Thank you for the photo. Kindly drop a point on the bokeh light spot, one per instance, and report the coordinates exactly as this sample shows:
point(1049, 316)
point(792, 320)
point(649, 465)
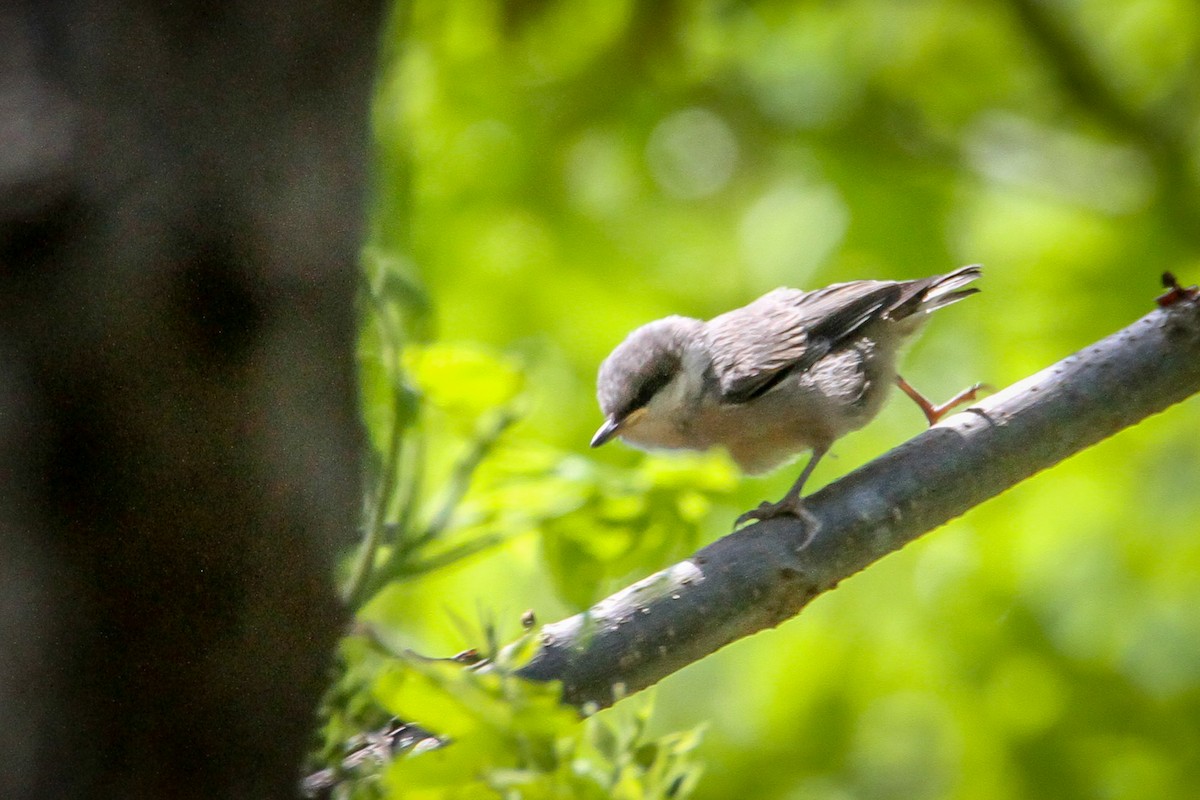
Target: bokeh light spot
point(692, 153)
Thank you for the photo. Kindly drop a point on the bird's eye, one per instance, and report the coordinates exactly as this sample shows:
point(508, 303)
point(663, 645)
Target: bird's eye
point(646, 389)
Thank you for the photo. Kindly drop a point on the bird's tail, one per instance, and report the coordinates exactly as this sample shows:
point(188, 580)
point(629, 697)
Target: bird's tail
point(946, 289)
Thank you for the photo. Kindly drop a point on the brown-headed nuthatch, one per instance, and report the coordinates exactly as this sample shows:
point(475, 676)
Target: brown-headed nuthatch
point(791, 371)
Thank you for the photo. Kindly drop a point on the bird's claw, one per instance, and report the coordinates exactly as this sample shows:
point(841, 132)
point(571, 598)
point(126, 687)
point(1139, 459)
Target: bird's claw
point(766, 511)
point(789, 506)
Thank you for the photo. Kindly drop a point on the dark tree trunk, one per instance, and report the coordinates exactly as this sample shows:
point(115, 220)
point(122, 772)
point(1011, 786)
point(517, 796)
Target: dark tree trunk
point(180, 212)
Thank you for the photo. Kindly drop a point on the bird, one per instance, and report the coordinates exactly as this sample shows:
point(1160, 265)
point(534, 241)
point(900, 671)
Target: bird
point(791, 371)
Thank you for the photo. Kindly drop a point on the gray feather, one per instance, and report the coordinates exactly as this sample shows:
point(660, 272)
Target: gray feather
point(788, 330)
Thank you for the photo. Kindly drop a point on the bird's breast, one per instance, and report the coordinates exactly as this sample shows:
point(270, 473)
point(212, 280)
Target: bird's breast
point(763, 434)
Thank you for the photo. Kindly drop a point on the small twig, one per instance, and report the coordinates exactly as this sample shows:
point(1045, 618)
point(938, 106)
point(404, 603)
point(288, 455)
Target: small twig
point(390, 476)
point(410, 491)
point(397, 563)
point(371, 750)
point(363, 565)
point(460, 478)
point(475, 545)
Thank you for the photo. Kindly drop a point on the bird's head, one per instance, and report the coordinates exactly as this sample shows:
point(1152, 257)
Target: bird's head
point(637, 371)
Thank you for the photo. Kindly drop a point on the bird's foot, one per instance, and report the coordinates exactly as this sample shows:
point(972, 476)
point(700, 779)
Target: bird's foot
point(787, 507)
point(790, 507)
point(968, 395)
point(934, 413)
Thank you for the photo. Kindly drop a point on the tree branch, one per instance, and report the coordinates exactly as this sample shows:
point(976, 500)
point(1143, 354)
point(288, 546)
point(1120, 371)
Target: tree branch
point(767, 573)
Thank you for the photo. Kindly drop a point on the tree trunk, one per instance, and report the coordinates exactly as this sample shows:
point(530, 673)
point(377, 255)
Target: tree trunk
point(180, 213)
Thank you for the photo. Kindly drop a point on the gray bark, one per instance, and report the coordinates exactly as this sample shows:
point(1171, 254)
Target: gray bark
point(768, 572)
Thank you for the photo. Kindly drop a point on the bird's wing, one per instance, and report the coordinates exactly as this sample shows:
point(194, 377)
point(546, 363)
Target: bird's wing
point(758, 345)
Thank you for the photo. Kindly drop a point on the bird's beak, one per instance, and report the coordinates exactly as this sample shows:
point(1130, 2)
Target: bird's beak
point(607, 431)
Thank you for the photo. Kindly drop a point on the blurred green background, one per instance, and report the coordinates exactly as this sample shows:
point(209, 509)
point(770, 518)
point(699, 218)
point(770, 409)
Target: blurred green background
point(552, 174)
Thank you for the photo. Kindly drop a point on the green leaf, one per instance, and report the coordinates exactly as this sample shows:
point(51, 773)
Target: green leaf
point(462, 380)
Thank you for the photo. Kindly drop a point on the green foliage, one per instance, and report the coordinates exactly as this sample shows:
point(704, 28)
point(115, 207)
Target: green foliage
point(511, 738)
point(497, 735)
point(599, 525)
point(558, 172)
point(446, 483)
